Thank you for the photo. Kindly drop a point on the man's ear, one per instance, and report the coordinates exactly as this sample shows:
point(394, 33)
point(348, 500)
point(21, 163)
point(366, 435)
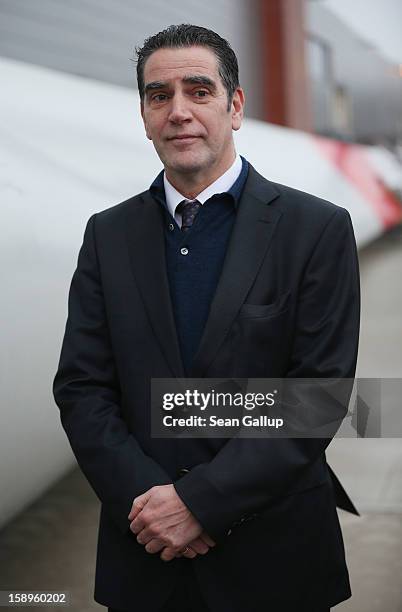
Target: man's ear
point(237, 108)
point(144, 120)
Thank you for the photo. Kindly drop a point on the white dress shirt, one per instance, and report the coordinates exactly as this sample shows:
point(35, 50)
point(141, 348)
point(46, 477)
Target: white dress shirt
point(222, 184)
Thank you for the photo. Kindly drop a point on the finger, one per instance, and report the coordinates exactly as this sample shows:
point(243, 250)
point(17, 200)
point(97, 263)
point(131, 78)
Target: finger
point(190, 553)
point(139, 524)
point(138, 504)
point(134, 512)
point(168, 554)
point(143, 537)
point(154, 546)
point(199, 546)
point(205, 537)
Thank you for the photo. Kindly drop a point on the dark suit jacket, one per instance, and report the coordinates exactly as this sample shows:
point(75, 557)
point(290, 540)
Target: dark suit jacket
point(270, 504)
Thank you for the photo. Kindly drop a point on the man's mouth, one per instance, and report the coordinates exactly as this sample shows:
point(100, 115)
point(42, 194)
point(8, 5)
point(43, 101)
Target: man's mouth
point(184, 137)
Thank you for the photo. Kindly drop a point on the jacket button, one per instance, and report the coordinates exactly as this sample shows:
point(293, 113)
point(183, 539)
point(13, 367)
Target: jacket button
point(183, 471)
point(229, 532)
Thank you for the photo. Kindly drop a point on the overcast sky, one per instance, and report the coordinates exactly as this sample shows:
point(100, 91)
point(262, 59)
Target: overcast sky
point(378, 21)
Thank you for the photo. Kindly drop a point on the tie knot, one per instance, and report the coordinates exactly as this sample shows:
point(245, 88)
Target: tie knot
point(188, 210)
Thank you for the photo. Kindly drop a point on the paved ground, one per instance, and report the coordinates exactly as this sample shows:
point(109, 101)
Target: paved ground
point(372, 469)
point(52, 546)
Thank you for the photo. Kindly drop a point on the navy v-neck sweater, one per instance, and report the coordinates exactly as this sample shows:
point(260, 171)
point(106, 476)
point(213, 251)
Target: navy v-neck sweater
point(194, 260)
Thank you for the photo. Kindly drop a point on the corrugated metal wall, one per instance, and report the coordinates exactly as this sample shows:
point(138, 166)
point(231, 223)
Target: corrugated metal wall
point(96, 38)
point(371, 83)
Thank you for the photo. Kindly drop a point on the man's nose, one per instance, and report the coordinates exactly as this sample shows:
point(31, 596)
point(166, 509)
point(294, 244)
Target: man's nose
point(179, 109)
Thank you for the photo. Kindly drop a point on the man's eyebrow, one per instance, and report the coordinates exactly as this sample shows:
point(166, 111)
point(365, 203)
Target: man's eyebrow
point(155, 85)
point(198, 79)
point(191, 79)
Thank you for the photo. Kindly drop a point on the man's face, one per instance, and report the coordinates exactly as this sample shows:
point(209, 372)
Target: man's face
point(185, 111)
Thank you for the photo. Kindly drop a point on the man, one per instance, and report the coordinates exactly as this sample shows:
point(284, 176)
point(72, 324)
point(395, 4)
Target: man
point(212, 272)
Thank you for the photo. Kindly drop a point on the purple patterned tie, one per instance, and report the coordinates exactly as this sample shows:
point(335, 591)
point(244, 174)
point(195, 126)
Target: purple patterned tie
point(188, 210)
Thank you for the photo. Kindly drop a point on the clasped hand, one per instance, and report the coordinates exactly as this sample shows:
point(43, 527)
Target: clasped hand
point(162, 522)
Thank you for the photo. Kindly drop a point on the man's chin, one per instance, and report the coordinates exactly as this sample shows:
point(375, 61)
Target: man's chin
point(186, 168)
point(189, 165)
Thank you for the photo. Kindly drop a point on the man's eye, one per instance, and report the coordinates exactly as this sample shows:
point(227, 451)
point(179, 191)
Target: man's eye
point(201, 93)
point(159, 97)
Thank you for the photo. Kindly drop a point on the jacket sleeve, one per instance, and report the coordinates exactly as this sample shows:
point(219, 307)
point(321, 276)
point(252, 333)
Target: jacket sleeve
point(86, 390)
point(246, 474)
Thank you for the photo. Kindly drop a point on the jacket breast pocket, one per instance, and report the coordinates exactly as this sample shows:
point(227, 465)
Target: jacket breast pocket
point(265, 310)
point(261, 339)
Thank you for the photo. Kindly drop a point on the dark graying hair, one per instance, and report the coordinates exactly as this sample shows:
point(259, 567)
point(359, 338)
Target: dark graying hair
point(187, 35)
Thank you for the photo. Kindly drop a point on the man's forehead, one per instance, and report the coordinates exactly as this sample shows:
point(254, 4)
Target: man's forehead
point(170, 63)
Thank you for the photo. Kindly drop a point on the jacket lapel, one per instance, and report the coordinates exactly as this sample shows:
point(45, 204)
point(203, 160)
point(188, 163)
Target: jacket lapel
point(146, 245)
point(251, 236)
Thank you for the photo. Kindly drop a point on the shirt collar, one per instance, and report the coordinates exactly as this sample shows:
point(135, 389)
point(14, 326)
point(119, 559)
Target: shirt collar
point(157, 189)
point(221, 185)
